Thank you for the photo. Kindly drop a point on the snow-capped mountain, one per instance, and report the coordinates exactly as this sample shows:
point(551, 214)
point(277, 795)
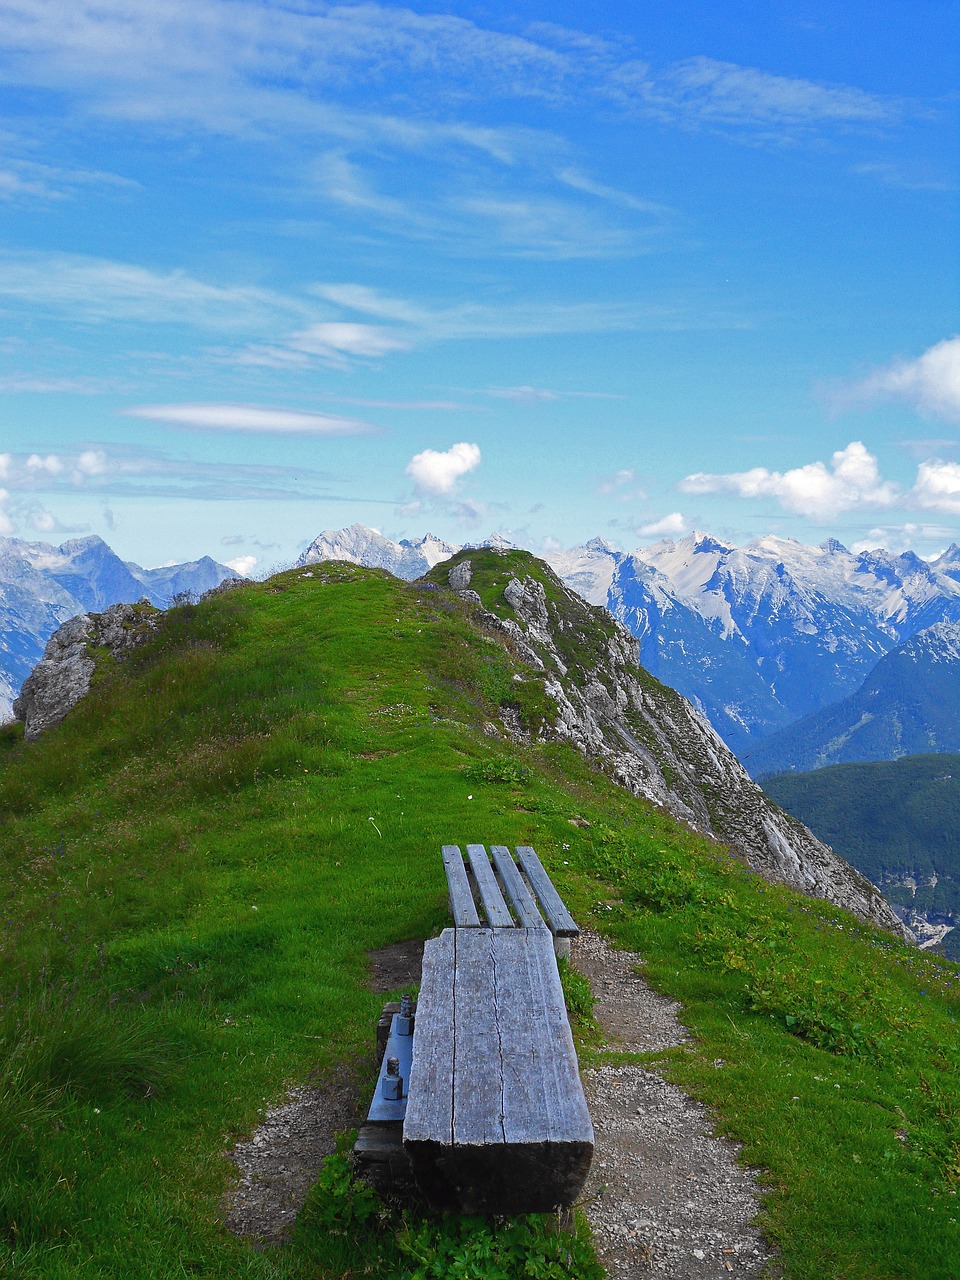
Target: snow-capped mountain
point(908, 705)
point(360, 545)
point(758, 636)
point(42, 585)
point(755, 636)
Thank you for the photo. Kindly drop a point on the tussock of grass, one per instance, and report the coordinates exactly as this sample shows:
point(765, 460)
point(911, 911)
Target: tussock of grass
point(245, 807)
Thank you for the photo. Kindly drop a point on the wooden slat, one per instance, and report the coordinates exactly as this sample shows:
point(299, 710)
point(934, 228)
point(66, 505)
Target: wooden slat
point(497, 911)
point(430, 1103)
point(559, 919)
point(521, 899)
point(543, 1097)
point(462, 906)
point(477, 1063)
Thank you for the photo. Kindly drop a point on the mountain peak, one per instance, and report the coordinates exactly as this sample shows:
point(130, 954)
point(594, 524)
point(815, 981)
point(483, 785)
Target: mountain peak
point(834, 547)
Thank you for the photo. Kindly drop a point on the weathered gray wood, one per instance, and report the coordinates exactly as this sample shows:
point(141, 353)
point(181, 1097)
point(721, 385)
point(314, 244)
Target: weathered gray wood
point(558, 918)
point(430, 1101)
point(462, 905)
point(478, 1052)
point(543, 1097)
point(521, 899)
point(520, 1139)
point(496, 910)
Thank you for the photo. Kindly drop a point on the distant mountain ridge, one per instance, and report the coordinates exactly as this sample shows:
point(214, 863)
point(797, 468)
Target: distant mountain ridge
point(756, 637)
point(42, 586)
point(908, 705)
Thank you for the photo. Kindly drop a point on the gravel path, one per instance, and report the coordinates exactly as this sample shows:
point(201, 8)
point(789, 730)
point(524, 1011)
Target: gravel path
point(664, 1197)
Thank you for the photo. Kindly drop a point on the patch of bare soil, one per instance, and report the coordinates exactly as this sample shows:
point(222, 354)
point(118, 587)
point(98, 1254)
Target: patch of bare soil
point(396, 967)
point(665, 1197)
point(280, 1161)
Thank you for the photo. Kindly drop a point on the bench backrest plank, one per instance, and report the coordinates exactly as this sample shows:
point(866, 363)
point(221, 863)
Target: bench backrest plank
point(462, 906)
point(497, 911)
point(521, 899)
point(559, 919)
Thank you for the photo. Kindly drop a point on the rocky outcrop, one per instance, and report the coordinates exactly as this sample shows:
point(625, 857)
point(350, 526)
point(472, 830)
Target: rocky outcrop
point(655, 744)
point(63, 675)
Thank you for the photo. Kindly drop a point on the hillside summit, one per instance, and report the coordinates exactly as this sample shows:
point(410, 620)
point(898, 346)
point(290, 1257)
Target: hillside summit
point(202, 862)
point(598, 698)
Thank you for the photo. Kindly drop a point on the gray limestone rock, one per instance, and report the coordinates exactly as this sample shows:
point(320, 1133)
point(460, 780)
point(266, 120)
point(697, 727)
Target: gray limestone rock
point(657, 745)
point(461, 575)
point(63, 675)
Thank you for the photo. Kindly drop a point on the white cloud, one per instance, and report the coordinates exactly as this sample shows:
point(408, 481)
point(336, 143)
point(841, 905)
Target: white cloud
point(852, 481)
point(335, 340)
point(582, 182)
point(43, 521)
point(52, 464)
point(616, 482)
point(937, 487)
point(248, 417)
point(931, 382)
point(436, 473)
point(710, 91)
point(525, 395)
point(97, 289)
point(242, 565)
point(6, 524)
point(668, 526)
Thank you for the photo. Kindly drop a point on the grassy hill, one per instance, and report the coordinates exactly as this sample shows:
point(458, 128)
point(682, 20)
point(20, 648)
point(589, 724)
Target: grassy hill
point(897, 821)
point(195, 863)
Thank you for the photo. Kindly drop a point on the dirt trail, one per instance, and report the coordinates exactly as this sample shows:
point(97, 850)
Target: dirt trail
point(664, 1197)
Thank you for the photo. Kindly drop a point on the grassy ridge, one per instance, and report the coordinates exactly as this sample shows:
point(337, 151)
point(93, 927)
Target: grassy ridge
point(201, 855)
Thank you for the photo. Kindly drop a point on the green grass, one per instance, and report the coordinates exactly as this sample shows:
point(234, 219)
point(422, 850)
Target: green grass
point(195, 864)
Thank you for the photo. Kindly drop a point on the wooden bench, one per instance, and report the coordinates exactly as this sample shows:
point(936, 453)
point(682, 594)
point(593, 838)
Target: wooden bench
point(484, 891)
point(492, 1119)
point(496, 1120)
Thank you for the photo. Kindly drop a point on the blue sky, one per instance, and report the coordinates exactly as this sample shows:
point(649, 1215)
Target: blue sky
point(559, 270)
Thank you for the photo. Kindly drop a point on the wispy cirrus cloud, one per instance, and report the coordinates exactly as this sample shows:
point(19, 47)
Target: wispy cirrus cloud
point(537, 395)
point(708, 91)
point(95, 290)
point(249, 418)
point(240, 65)
point(115, 470)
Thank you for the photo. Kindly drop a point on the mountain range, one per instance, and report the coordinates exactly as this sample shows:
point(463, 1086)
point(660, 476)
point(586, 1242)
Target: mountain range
point(757, 637)
point(42, 586)
point(908, 705)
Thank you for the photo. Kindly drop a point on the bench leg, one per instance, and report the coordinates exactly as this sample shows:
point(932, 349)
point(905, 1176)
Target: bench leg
point(561, 948)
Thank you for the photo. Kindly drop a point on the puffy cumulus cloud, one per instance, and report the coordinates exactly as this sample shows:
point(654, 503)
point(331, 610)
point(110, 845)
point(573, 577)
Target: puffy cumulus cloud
point(905, 537)
point(851, 481)
point(937, 487)
point(931, 383)
point(249, 417)
point(242, 565)
point(436, 474)
point(667, 526)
